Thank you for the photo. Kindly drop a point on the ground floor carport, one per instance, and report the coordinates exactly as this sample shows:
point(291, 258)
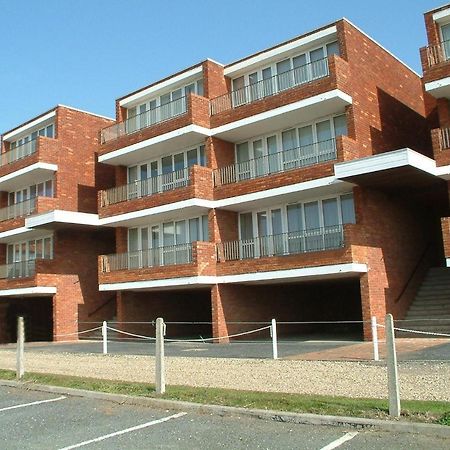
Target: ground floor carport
point(37, 312)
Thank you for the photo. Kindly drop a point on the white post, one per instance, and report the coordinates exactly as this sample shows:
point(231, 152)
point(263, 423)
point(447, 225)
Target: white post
point(376, 355)
point(273, 333)
point(391, 360)
point(160, 375)
point(105, 337)
point(20, 368)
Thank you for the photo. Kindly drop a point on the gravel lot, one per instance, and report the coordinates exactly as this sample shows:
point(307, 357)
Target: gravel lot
point(419, 380)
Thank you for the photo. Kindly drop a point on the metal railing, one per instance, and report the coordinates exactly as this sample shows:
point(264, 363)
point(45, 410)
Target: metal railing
point(295, 158)
point(146, 119)
point(21, 151)
point(144, 188)
point(291, 243)
point(153, 257)
point(24, 208)
point(270, 86)
point(445, 137)
point(20, 269)
point(438, 53)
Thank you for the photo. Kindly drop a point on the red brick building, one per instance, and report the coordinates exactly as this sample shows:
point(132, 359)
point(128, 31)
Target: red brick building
point(49, 238)
point(297, 183)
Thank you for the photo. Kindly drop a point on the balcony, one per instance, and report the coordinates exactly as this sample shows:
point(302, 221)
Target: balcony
point(282, 161)
point(140, 269)
point(29, 163)
point(440, 138)
point(171, 188)
point(175, 116)
point(298, 95)
point(436, 69)
point(21, 209)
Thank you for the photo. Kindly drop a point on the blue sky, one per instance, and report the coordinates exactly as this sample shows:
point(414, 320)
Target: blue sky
point(87, 53)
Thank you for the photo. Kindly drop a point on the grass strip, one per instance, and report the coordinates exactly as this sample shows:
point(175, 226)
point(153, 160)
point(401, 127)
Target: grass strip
point(412, 410)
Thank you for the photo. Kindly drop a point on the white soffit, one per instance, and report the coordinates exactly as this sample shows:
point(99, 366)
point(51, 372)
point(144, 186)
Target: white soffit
point(385, 161)
point(168, 142)
point(439, 88)
point(60, 216)
point(139, 97)
point(23, 129)
point(35, 173)
point(442, 16)
point(265, 57)
point(29, 291)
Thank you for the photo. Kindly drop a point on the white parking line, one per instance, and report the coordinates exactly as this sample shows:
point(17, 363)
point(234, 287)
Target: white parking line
point(338, 442)
point(23, 405)
point(128, 430)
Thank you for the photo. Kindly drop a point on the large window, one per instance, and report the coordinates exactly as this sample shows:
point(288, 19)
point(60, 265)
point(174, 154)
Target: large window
point(304, 145)
point(445, 32)
point(47, 131)
point(161, 108)
point(283, 74)
point(44, 189)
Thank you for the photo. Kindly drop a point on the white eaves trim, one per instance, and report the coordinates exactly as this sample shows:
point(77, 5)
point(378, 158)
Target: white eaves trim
point(261, 57)
point(86, 112)
point(433, 85)
point(316, 99)
point(385, 161)
point(14, 232)
point(155, 140)
point(160, 86)
point(61, 216)
point(441, 15)
point(28, 126)
point(28, 169)
point(38, 290)
point(304, 272)
point(193, 202)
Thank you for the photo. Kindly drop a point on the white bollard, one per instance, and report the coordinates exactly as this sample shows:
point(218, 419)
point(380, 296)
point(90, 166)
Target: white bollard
point(376, 354)
point(160, 375)
point(105, 337)
point(273, 333)
point(391, 360)
point(20, 366)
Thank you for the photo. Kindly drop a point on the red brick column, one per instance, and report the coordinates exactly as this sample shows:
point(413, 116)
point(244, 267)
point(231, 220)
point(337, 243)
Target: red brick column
point(219, 326)
point(65, 308)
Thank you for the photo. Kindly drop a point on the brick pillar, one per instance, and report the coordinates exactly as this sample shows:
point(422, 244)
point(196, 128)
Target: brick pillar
point(65, 308)
point(219, 326)
point(4, 337)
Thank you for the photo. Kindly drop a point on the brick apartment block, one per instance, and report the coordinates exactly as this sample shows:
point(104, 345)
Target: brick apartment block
point(306, 182)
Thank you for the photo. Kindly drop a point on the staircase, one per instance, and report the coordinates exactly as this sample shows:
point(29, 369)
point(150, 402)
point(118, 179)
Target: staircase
point(432, 302)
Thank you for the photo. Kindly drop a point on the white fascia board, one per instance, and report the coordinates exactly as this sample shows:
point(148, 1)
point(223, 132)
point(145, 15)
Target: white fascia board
point(61, 216)
point(194, 202)
point(30, 291)
point(437, 84)
point(304, 272)
point(154, 140)
point(14, 232)
point(152, 284)
point(335, 93)
point(28, 126)
point(443, 172)
point(283, 190)
point(447, 262)
point(135, 98)
point(441, 16)
point(385, 161)
point(232, 69)
point(28, 169)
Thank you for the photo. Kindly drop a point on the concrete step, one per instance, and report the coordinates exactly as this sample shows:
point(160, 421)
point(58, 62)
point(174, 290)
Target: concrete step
point(434, 288)
point(430, 303)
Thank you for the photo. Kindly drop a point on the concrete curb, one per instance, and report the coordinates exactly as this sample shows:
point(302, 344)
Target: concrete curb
point(279, 416)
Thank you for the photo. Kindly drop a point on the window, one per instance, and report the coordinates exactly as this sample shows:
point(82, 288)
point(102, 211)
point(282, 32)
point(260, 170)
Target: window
point(27, 144)
point(445, 31)
point(44, 189)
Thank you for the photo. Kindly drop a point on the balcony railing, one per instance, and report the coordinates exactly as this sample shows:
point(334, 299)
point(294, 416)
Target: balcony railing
point(154, 257)
point(295, 158)
point(144, 188)
point(20, 269)
point(438, 53)
point(19, 152)
point(445, 138)
point(21, 209)
point(144, 120)
point(270, 86)
point(291, 243)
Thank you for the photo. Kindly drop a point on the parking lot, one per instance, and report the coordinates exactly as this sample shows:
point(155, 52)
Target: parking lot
point(39, 420)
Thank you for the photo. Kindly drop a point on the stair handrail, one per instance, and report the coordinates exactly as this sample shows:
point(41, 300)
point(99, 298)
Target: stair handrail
point(413, 272)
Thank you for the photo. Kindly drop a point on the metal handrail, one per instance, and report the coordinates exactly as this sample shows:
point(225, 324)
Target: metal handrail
point(290, 243)
point(152, 257)
point(437, 53)
point(19, 269)
point(146, 119)
point(144, 188)
point(270, 86)
point(20, 209)
point(445, 137)
point(21, 151)
point(306, 155)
